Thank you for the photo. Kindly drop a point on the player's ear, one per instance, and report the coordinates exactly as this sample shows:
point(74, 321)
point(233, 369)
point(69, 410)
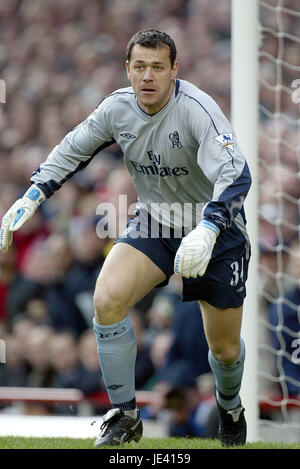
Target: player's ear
point(128, 69)
point(175, 70)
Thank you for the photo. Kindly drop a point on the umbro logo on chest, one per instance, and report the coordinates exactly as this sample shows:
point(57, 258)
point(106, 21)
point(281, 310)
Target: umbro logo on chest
point(128, 135)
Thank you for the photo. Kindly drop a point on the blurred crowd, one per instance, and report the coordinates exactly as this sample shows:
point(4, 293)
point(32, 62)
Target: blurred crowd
point(58, 60)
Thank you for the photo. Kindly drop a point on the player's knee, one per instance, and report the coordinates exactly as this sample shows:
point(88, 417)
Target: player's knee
point(108, 307)
point(226, 352)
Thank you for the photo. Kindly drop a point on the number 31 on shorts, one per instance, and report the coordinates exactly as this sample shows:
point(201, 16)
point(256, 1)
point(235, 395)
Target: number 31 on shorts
point(237, 272)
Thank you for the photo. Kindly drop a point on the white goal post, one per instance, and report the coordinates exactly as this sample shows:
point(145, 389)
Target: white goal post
point(244, 118)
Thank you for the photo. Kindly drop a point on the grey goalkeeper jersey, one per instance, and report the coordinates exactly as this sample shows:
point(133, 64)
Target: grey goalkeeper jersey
point(184, 160)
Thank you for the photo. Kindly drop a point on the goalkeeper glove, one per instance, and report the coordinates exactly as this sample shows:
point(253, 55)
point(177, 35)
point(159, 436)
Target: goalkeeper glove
point(195, 250)
point(18, 214)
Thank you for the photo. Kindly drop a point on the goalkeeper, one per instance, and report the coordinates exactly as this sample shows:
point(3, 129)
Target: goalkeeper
point(182, 154)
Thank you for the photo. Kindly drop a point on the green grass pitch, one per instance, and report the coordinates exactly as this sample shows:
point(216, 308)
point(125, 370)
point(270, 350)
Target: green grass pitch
point(12, 442)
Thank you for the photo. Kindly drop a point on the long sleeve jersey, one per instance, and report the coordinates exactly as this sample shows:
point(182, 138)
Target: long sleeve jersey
point(185, 156)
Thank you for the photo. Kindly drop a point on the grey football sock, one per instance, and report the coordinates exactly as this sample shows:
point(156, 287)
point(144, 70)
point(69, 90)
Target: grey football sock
point(116, 345)
point(228, 379)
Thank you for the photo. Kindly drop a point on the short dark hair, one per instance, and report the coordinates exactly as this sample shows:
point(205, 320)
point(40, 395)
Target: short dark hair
point(152, 39)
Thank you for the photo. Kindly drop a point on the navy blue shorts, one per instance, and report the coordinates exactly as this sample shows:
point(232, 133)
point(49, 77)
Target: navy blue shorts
point(222, 285)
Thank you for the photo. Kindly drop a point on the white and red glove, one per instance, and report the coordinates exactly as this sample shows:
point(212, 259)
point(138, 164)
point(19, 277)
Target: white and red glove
point(195, 250)
point(18, 214)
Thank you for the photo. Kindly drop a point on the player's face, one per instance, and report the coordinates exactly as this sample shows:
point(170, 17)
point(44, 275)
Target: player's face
point(151, 76)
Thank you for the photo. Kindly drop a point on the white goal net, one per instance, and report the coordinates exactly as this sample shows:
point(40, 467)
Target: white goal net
point(279, 222)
